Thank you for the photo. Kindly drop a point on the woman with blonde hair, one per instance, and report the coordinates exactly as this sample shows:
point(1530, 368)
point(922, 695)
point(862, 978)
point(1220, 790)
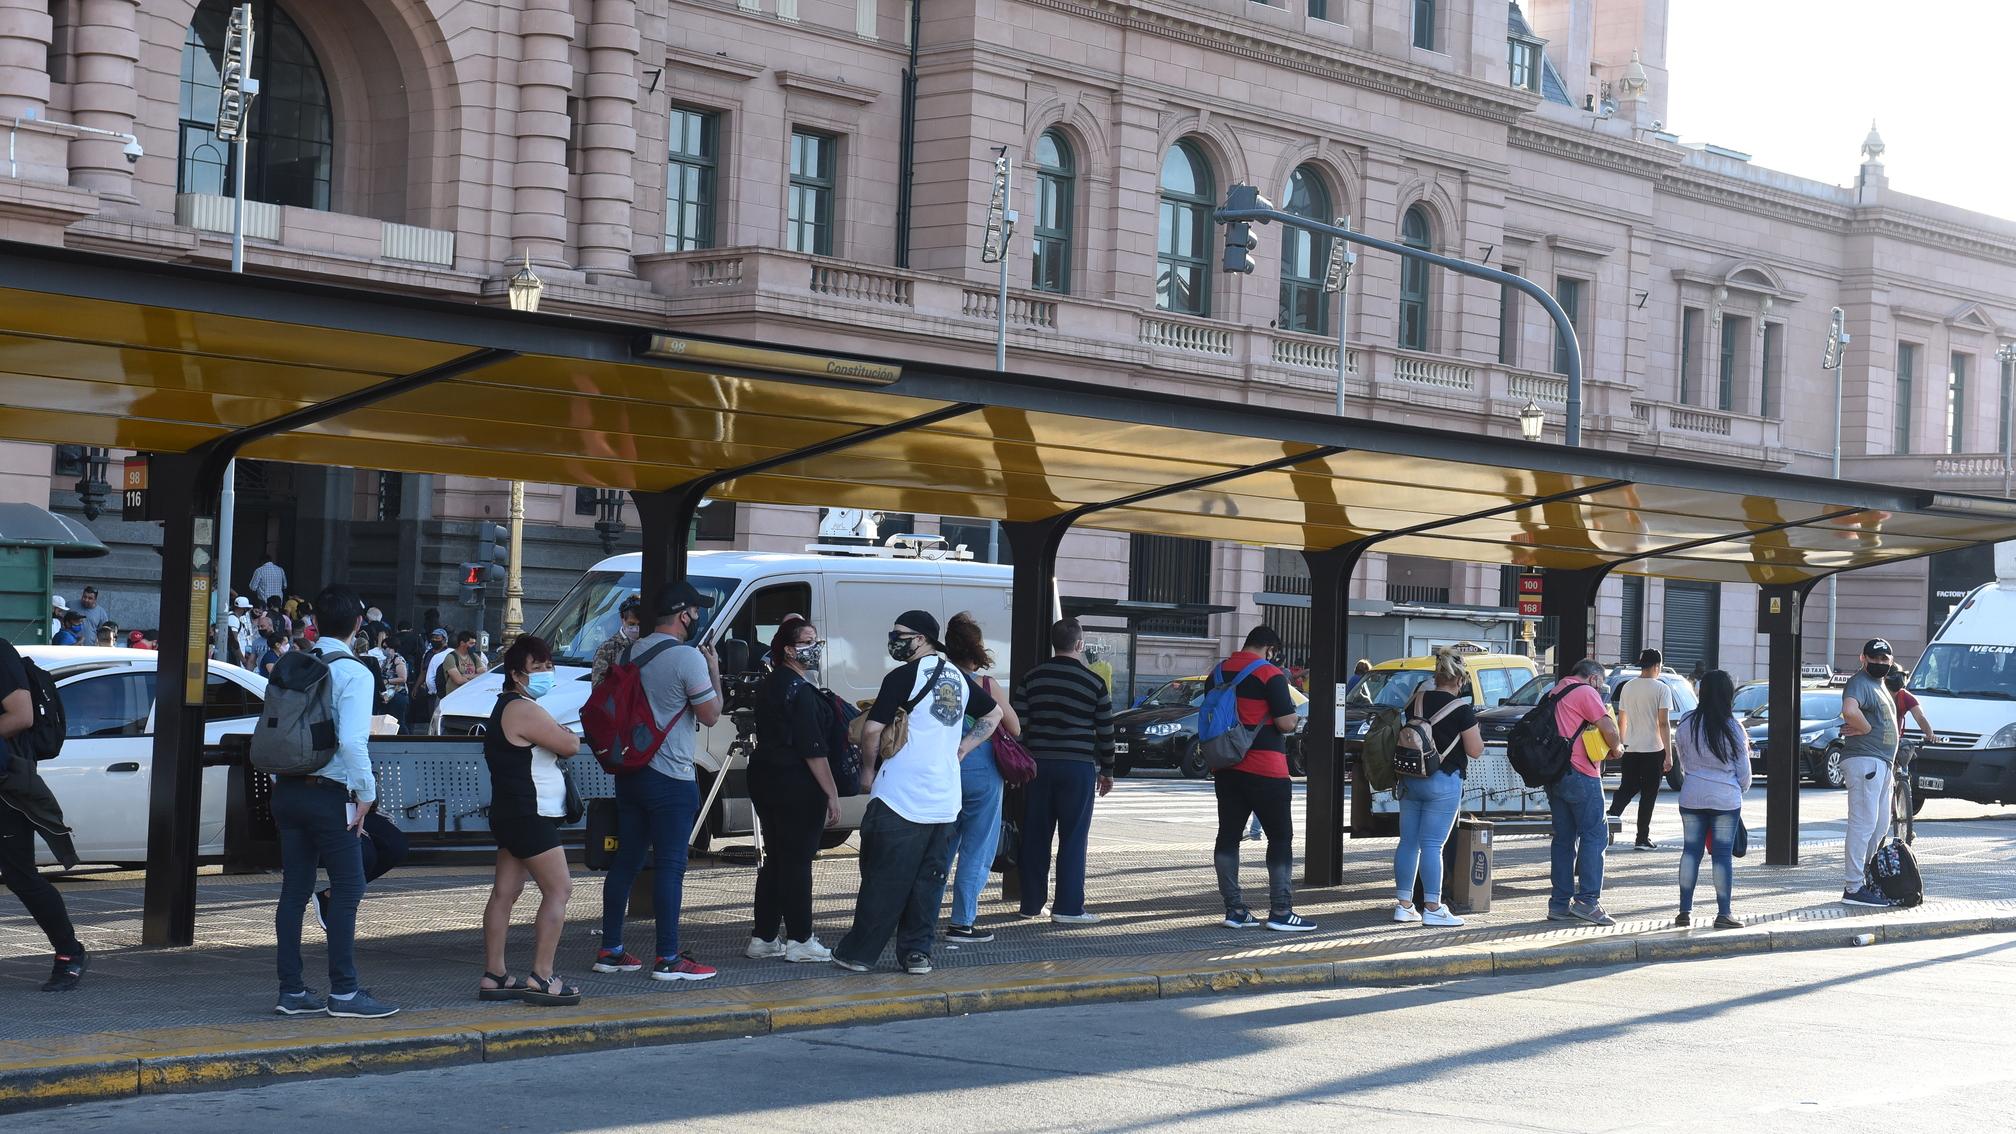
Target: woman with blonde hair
point(976, 834)
point(1428, 804)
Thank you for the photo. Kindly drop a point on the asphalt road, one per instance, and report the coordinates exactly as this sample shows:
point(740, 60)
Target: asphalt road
point(1885, 1039)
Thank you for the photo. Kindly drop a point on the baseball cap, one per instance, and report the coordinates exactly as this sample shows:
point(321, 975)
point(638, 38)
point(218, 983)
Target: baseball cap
point(56, 603)
point(921, 622)
point(243, 603)
point(437, 632)
point(1875, 646)
point(677, 596)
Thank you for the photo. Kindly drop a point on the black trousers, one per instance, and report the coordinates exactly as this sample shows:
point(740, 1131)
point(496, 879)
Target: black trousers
point(18, 873)
point(792, 808)
point(1643, 772)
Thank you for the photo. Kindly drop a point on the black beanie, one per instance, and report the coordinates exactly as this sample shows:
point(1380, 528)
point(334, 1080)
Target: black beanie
point(920, 622)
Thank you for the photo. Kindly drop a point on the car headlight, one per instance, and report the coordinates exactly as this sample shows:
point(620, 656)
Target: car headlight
point(1166, 728)
point(2005, 737)
point(1812, 733)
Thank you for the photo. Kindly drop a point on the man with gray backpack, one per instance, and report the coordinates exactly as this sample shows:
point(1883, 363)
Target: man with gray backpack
point(1243, 722)
point(313, 738)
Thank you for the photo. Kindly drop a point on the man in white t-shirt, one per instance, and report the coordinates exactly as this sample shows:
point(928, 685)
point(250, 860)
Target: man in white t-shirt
point(1644, 717)
point(906, 833)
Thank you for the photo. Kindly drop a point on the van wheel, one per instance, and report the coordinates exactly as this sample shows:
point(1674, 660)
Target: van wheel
point(1192, 764)
point(1830, 769)
point(1917, 803)
point(830, 839)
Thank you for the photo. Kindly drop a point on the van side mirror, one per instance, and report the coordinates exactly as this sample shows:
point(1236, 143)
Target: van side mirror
point(734, 655)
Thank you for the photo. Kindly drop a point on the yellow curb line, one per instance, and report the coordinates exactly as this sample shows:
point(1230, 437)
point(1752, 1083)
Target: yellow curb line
point(43, 1083)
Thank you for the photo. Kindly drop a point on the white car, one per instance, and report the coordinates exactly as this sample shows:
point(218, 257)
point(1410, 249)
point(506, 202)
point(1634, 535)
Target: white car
point(102, 777)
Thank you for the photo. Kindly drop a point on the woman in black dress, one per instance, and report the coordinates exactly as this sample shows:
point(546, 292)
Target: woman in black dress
point(791, 784)
point(528, 799)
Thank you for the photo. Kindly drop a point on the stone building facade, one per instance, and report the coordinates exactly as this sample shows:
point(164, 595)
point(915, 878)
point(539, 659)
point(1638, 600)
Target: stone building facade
point(736, 167)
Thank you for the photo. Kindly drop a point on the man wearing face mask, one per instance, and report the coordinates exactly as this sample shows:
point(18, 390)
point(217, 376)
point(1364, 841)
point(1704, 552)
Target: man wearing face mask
point(626, 633)
point(656, 806)
point(1868, 754)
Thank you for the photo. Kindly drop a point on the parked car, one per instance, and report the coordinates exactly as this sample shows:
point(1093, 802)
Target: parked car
point(1496, 723)
point(103, 775)
point(1161, 731)
point(1493, 678)
point(1819, 737)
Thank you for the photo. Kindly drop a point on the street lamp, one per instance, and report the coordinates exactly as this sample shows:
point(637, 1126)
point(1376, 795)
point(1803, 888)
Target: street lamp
point(1532, 420)
point(609, 518)
point(994, 245)
point(1337, 280)
point(2006, 355)
point(92, 488)
point(526, 287)
point(1838, 340)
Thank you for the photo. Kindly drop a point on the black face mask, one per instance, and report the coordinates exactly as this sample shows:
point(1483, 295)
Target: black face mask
point(902, 647)
point(1877, 669)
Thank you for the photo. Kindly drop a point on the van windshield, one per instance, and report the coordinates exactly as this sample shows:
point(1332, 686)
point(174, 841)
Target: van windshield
point(589, 614)
point(1950, 670)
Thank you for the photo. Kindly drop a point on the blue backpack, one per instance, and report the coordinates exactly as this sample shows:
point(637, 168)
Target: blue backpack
point(1220, 735)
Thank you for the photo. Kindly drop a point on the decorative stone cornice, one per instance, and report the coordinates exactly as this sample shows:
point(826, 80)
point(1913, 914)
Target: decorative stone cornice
point(1590, 148)
point(1362, 69)
point(829, 88)
point(1578, 247)
point(1922, 230)
point(720, 64)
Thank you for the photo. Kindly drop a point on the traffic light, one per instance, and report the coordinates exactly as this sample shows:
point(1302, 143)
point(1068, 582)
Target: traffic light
point(494, 541)
point(1239, 239)
point(472, 583)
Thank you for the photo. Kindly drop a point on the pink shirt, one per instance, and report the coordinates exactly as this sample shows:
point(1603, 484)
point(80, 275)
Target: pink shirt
point(1581, 707)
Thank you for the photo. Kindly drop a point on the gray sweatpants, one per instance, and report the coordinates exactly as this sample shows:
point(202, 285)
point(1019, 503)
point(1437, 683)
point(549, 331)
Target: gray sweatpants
point(1868, 783)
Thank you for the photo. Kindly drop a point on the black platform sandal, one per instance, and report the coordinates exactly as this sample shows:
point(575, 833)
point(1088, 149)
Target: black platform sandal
point(507, 988)
point(549, 993)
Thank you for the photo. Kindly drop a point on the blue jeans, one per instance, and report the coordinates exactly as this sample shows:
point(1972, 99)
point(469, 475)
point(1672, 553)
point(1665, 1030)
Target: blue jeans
point(1697, 822)
point(976, 834)
point(902, 882)
point(315, 831)
point(653, 812)
point(1059, 804)
point(1427, 815)
point(1581, 831)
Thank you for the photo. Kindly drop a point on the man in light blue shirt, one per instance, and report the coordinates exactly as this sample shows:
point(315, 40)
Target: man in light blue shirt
point(321, 819)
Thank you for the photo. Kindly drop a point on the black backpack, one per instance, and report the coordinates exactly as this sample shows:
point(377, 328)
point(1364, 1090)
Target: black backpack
point(1538, 751)
point(43, 739)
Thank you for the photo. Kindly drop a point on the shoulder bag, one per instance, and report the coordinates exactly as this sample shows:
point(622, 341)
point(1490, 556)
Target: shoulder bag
point(1012, 758)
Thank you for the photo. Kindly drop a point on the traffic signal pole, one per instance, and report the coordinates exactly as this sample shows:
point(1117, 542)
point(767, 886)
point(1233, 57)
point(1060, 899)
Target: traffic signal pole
point(1244, 204)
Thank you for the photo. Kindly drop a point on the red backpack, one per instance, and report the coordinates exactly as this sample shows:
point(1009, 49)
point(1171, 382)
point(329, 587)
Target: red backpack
point(617, 720)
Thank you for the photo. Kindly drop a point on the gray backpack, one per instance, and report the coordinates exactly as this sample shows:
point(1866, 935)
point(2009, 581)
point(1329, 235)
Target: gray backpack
point(296, 734)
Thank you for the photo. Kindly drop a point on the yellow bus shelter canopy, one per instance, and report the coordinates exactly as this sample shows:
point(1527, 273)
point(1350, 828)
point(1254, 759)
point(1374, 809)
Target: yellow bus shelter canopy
point(102, 351)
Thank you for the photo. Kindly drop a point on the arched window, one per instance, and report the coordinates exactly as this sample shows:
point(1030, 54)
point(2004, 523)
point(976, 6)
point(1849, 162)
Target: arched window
point(292, 135)
point(1055, 177)
point(1414, 280)
point(1183, 233)
point(1305, 256)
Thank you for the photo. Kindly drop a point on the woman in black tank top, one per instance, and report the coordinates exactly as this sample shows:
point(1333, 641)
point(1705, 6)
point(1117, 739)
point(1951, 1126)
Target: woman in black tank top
point(522, 745)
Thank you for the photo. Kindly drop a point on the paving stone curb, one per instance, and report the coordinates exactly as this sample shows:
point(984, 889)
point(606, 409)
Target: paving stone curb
point(37, 1084)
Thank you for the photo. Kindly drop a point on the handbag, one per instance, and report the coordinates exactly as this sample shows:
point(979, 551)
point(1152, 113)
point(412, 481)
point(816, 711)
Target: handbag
point(1012, 758)
point(897, 732)
point(1740, 846)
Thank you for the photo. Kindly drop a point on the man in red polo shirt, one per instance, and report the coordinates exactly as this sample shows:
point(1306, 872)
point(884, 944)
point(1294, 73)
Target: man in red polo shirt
point(1259, 785)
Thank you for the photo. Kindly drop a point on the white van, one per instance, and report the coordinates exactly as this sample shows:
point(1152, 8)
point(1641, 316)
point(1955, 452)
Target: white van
point(853, 600)
point(1966, 683)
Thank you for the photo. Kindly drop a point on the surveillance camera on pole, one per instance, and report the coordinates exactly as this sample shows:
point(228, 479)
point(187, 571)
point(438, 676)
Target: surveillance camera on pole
point(1239, 239)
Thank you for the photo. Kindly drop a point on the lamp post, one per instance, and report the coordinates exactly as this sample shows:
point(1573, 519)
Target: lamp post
point(236, 89)
point(994, 246)
point(2006, 355)
point(1838, 339)
point(524, 291)
point(1337, 278)
point(1532, 421)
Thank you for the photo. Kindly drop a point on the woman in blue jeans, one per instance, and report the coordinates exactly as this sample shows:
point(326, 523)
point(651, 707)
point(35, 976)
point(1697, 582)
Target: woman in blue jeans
point(977, 832)
point(1428, 804)
point(1714, 753)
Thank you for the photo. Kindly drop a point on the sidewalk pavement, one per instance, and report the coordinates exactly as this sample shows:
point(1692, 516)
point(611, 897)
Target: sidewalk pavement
point(154, 1020)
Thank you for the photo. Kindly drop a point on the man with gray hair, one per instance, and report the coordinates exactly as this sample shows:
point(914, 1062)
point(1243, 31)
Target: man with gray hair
point(1581, 829)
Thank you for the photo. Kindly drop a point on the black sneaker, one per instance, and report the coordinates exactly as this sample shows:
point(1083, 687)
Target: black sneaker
point(66, 974)
point(1682, 920)
point(970, 933)
point(1644, 844)
point(917, 964)
point(1289, 923)
point(1239, 917)
point(1724, 921)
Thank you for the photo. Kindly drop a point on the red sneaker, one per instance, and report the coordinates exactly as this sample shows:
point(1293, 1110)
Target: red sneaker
point(681, 967)
point(616, 961)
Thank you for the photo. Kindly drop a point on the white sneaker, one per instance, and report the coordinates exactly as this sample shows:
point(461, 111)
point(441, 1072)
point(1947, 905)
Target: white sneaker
point(761, 950)
point(1086, 918)
point(1405, 915)
point(1440, 917)
point(808, 951)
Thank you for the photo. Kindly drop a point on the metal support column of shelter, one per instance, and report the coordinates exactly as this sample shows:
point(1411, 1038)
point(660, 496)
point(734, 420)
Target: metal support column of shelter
point(1322, 752)
point(1571, 597)
point(666, 518)
point(1780, 614)
point(189, 485)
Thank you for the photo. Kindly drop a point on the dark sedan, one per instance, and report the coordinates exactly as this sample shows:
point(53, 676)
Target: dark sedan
point(1161, 731)
point(1819, 737)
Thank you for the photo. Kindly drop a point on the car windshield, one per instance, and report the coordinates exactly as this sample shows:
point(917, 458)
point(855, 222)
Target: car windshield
point(1819, 706)
point(588, 616)
point(1531, 692)
point(1951, 670)
point(1392, 687)
point(1751, 699)
point(1182, 691)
